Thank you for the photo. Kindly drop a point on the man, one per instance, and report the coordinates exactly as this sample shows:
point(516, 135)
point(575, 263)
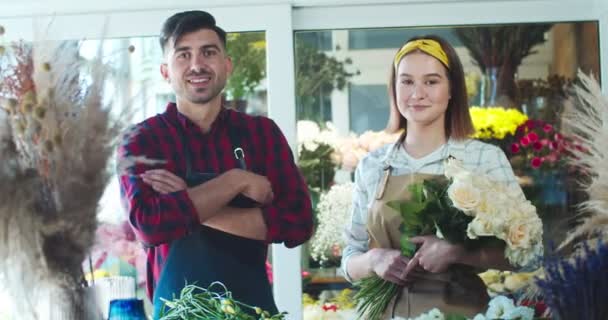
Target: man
point(227, 185)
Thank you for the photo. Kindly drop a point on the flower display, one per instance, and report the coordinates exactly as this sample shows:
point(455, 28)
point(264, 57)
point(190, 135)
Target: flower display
point(119, 240)
point(333, 213)
point(499, 308)
point(495, 122)
point(505, 282)
point(340, 307)
point(352, 149)
point(317, 155)
point(539, 145)
point(468, 208)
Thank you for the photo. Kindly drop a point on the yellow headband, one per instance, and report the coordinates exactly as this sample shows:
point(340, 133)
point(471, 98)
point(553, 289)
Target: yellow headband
point(428, 46)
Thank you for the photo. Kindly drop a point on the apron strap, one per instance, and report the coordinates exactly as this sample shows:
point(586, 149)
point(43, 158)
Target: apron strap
point(388, 169)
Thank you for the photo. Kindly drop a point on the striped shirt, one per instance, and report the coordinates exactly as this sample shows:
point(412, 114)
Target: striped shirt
point(474, 155)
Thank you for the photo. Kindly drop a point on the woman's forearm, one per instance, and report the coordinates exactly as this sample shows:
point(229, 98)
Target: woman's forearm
point(360, 266)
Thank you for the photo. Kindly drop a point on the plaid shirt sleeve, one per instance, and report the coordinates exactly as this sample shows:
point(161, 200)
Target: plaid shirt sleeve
point(289, 217)
point(155, 218)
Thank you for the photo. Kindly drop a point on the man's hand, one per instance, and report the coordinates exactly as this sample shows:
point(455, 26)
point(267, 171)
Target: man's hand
point(256, 187)
point(163, 181)
point(434, 255)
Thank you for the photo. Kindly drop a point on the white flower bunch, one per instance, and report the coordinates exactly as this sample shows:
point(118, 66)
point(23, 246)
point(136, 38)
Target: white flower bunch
point(497, 210)
point(433, 314)
point(316, 312)
point(503, 308)
point(310, 135)
point(499, 308)
point(334, 210)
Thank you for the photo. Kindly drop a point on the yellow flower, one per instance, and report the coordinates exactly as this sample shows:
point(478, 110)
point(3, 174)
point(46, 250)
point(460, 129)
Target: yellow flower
point(490, 276)
point(517, 281)
point(495, 122)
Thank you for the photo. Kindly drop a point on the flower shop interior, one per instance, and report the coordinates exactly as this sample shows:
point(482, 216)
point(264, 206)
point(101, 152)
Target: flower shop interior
point(319, 68)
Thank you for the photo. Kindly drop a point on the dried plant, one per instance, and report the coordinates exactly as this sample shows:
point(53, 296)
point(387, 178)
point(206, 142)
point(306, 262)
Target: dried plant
point(56, 136)
point(586, 120)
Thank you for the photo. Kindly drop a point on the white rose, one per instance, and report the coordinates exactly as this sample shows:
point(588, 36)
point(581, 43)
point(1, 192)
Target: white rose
point(518, 235)
point(479, 227)
point(464, 197)
point(453, 168)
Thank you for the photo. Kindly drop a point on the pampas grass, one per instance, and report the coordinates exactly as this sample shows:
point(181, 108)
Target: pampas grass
point(586, 120)
point(56, 136)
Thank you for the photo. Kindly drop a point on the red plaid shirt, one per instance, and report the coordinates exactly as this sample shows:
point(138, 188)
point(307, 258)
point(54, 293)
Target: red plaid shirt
point(158, 219)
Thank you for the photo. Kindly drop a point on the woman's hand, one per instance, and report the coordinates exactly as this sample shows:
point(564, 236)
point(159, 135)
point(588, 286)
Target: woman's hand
point(434, 255)
point(163, 181)
point(390, 264)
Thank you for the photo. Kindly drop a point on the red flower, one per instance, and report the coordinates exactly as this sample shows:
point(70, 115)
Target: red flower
point(524, 141)
point(515, 148)
point(530, 124)
point(533, 136)
point(539, 307)
point(537, 146)
point(536, 162)
point(330, 306)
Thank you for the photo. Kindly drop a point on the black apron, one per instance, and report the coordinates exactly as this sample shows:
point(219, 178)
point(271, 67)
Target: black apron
point(206, 255)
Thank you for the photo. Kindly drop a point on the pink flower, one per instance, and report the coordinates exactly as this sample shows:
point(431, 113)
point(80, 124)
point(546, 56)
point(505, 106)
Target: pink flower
point(537, 146)
point(533, 136)
point(547, 128)
point(525, 141)
point(553, 145)
point(269, 271)
point(536, 162)
point(514, 148)
point(558, 136)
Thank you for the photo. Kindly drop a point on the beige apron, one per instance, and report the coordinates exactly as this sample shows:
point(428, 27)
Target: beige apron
point(457, 291)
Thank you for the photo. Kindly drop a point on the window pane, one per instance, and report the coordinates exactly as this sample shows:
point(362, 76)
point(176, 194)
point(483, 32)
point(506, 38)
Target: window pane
point(344, 83)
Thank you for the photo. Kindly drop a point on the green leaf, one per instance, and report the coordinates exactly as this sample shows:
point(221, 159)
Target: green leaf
point(407, 248)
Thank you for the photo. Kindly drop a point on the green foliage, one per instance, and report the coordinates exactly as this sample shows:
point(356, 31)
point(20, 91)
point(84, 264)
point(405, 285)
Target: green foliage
point(248, 52)
point(317, 75)
point(317, 167)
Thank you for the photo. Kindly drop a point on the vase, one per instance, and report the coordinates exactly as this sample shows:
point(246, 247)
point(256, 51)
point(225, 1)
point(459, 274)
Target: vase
point(127, 309)
point(488, 87)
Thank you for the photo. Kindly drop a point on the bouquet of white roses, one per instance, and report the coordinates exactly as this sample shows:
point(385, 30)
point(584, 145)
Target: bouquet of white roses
point(467, 208)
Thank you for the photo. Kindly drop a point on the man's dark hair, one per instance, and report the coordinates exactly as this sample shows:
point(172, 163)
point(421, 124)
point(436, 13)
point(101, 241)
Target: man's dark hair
point(188, 21)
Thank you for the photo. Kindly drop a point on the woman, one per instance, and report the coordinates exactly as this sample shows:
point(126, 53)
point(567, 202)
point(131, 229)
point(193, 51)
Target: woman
point(428, 100)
